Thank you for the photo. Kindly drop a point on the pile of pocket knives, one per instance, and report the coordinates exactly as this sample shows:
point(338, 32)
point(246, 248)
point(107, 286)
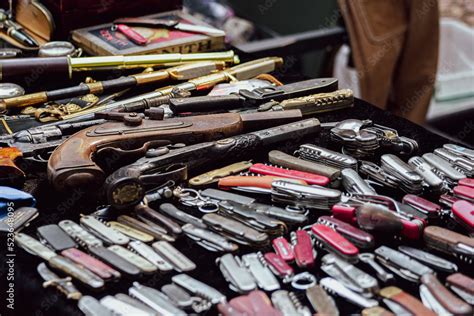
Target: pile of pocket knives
point(289, 241)
point(369, 223)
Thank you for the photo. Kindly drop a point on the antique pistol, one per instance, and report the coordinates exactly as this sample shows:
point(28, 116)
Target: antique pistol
point(33, 143)
point(126, 186)
point(73, 163)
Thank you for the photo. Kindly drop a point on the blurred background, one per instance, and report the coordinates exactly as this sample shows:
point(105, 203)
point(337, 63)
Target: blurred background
point(313, 38)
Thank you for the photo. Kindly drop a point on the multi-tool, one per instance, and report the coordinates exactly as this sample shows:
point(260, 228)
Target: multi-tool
point(253, 183)
point(377, 217)
point(235, 230)
point(103, 231)
point(64, 285)
point(208, 239)
point(402, 265)
point(248, 216)
point(462, 285)
point(326, 156)
point(356, 140)
point(147, 215)
point(284, 160)
point(19, 219)
point(289, 304)
point(279, 266)
point(464, 192)
point(449, 242)
point(173, 256)
point(144, 265)
point(303, 250)
point(427, 172)
point(98, 267)
point(303, 281)
point(309, 178)
point(443, 168)
point(283, 248)
point(288, 216)
point(467, 182)
point(216, 174)
point(369, 258)
point(122, 308)
point(377, 174)
point(58, 262)
point(462, 212)
point(312, 197)
point(254, 303)
point(429, 259)
point(334, 286)
point(181, 216)
point(353, 183)
point(349, 275)
point(361, 239)
point(439, 299)
point(402, 303)
point(321, 301)
point(460, 151)
point(410, 181)
point(122, 265)
point(92, 307)
point(422, 205)
point(154, 230)
point(447, 200)
point(461, 163)
point(54, 236)
point(154, 299)
point(131, 232)
point(198, 288)
point(184, 300)
point(79, 234)
point(258, 268)
point(236, 274)
point(331, 241)
point(149, 254)
point(136, 303)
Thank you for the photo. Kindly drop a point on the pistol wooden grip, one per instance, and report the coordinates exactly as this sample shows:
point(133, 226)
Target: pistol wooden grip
point(10, 174)
point(71, 166)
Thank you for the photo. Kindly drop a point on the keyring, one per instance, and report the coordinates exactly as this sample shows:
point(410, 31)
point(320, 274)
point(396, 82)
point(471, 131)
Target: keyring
point(303, 281)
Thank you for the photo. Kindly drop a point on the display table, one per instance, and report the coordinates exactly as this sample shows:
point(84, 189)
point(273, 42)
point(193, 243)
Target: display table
point(32, 299)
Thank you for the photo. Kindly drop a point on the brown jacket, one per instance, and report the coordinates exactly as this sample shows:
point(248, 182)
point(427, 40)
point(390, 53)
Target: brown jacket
point(395, 50)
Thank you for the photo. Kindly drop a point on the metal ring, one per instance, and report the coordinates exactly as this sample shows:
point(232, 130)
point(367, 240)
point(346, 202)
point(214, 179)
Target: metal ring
point(208, 207)
point(304, 276)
